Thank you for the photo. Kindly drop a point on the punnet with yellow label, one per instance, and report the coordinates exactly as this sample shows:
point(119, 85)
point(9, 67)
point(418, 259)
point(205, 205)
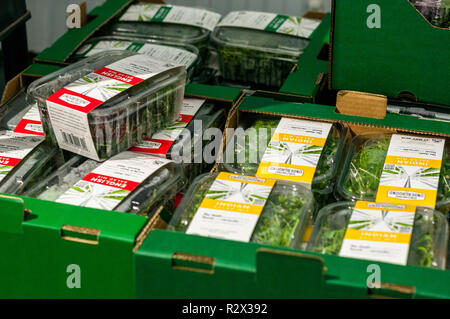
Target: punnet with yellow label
point(292, 150)
point(245, 208)
point(385, 232)
point(397, 168)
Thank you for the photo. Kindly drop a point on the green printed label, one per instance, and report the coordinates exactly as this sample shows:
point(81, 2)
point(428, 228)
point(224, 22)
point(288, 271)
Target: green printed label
point(276, 23)
point(161, 14)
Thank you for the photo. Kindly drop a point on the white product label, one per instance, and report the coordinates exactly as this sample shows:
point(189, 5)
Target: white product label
point(378, 232)
point(160, 142)
point(111, 182)
point(172, 14)
point(167, 53)
point(13, 148)
point(30, 123)
point(272, 22)
point(232, 207)
point(411, 171)
point(68, 108)
point(294, 151)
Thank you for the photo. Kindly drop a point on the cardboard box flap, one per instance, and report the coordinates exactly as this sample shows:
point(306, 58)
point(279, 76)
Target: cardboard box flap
point(222, 93)
point(175, 265)
point(375, 51)
point(66, 45)
point(64, 219)
point(327, 113)
point(307, 78)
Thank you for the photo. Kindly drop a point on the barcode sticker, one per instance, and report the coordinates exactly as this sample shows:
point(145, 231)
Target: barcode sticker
point(74, 140)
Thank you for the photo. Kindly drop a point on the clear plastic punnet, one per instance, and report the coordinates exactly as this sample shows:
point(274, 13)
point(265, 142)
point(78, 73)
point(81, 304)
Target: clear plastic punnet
point(178, 24)
point(245, 149)
point(24, 156)
point(13, 110)
point(67, 185)
point(183, 142)
point(25, 160)
point(260, 48)
point(286, 210)
point(106, 103)
point(419, 234)
point(365, 164)
point(176, 53)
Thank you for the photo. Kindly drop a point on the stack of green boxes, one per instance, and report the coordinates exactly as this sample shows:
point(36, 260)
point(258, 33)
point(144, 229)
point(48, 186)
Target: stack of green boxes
point(285, 232)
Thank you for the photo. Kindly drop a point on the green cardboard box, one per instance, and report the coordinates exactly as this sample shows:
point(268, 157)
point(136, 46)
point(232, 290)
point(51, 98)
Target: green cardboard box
point(387, 47)
point(52, 250)
point(177, 265)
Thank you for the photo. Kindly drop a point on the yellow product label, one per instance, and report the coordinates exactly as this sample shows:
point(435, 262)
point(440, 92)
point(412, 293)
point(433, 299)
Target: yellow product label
point(378, 236)
point(307, 234)
point(231, 206)
point(290, 172)
point(299, 139)
point(411, 161)
point(412, 196)
point(411, 171)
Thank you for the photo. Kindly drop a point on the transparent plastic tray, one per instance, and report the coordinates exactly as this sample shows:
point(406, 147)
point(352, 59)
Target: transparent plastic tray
point(13, 110)
point(35, 166)
point(363, 167)
point(106, 43)
point(173, 32)
point(127, 118)
point(327, 168)
point(437, 12)
point(256, 56)
point(282, 221)
point(158, 189)
point(428, 246)
point(211, 116)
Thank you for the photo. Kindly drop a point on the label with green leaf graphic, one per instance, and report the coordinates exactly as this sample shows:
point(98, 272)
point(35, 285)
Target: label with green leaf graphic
point(294, 151)
point(163, 52)
point(295, 26)
point(111, 182)
point(13, 149)
point(68, 108)
point(231, 207)
point(146, 12)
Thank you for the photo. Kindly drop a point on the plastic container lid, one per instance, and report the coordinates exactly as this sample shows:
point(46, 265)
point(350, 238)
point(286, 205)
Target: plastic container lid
point(177, 24)
point(161, 31)
point(158, 189)
point(280, 46)
point(429, 239)
point(35, 166)
point(123, 120)
point(184, 54)
point(13, 110)
point(327, 167)
point(363, 167)
point(281, 223)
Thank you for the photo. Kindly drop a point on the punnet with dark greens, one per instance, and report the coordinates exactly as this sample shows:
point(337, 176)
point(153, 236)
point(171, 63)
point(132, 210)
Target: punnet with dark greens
point(176, 53)
point(106, 103)
point(283, 209)
point(346, 229)
point(260, 48)
point(177, 24)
